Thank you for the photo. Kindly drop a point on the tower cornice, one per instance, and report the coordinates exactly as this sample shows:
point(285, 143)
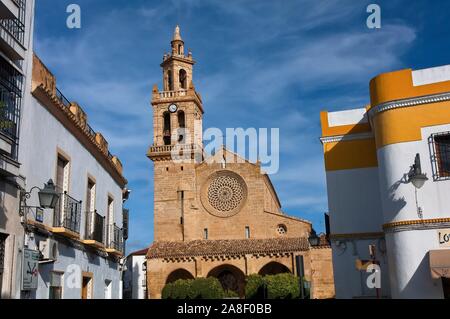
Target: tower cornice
point(179, 58)
point(167, 97)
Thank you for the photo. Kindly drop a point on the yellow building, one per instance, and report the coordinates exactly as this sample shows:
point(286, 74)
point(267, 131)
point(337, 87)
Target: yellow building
point(214, 217)
point(388, 168)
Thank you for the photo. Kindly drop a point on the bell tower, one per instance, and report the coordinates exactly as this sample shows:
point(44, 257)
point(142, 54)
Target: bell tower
point(177, 124)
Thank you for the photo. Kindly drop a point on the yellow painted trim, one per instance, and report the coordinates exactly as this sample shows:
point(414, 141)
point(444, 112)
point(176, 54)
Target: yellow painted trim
point(352, 154)
point(398, 85)
point(93, 243)
point(416, 222)
point(114, 252)
point(405, 124)
point(342, 129)
point(65, 232)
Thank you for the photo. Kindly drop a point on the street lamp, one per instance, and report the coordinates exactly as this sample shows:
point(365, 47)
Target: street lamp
point(313, 239)
point(415, 176)
point(48, 197)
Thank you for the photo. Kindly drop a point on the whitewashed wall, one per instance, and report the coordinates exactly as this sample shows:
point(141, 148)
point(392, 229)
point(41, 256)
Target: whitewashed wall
point(41, 136)
point(410, 271)
point(134, 276)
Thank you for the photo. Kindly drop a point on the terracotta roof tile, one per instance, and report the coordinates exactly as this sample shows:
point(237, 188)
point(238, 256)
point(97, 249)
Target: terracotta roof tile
point(174, 249)
point(139, 252)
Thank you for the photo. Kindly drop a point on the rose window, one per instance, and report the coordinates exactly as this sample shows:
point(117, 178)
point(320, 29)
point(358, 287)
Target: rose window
point(224, 193)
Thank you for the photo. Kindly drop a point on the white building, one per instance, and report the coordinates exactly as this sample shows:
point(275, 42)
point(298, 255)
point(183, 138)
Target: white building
point(16, 36)
point(135, 276)
point(376, 160)
point(81, 241)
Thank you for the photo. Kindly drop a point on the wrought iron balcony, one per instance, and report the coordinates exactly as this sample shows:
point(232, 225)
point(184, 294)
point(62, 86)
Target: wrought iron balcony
point(10, 100)
point(67, 216)
point(95, 229)
point(15, 28)
point(115, 240)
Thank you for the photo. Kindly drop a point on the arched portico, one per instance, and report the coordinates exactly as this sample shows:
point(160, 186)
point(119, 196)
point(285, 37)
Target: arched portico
point(273, 268)
point(230, 277)
point(178, 274)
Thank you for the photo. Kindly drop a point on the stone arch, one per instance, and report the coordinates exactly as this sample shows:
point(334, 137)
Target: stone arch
point(167, 129)
point(273, 268)
point(231, 278)
point(183, 78)
point(169, 80)
point(178, 274)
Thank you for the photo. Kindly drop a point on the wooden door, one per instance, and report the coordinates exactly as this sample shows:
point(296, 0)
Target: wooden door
point(86, 288)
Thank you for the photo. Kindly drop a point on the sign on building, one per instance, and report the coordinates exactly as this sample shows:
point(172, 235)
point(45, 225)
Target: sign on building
point(444, 237)
point(30, 269)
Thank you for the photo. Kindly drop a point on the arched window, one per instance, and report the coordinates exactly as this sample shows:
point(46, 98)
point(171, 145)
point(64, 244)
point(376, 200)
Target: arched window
point(169, 80)
point(183, 79)
point(181, 119)
point(167, 129)
point(182, 127)
point(180, 49)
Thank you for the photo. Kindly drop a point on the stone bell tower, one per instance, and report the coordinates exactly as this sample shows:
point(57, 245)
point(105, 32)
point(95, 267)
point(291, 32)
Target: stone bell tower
point(177, 123)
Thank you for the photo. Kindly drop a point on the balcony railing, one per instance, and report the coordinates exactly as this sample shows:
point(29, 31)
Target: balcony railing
point(95, 227)
point(67, 213)
point(169, 148)
point(115, 238)
point(11, 82)
point(62, 98)
point(171, 94)
point(15, 28)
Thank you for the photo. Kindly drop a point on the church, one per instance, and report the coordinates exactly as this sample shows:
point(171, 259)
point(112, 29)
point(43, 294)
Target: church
point(213, 217)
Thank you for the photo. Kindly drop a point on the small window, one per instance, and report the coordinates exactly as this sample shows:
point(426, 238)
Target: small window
point(442, 143)
point(281, 229)
point(205, 234)
point(247, 232)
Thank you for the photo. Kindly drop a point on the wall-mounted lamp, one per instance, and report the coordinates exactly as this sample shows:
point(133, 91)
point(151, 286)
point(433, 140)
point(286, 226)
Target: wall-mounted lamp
point(48, 197)
point(313, 239)
point(415, 176)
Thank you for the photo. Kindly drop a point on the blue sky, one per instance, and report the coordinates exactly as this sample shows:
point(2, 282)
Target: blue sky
point(260, 64)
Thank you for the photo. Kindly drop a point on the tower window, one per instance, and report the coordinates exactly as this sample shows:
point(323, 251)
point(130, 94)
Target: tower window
point(183, 79)
point(182, 126)
point(181, 119)
point(169, 80)
point(180, 49)
point(167, 129)
point(205, 234)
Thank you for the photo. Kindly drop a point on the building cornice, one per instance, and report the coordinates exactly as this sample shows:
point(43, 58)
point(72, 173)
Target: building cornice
point(417, 224)
point(80, 132)
point(342, 138)
point(409, 102)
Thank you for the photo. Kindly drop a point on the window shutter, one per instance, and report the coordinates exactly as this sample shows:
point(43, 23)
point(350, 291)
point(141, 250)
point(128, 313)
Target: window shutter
point(126, 214)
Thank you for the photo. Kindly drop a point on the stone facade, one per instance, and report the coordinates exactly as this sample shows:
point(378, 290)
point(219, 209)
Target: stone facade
point(220, 215)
